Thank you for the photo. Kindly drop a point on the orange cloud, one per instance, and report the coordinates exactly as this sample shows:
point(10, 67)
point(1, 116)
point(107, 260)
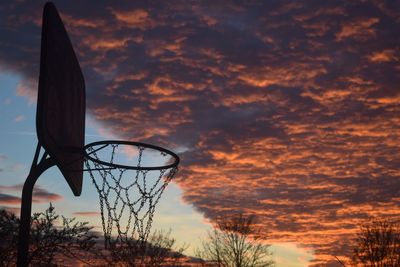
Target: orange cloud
point(40, 195)
point(358, 29)
point(383, 56)
point(294, 75)
point(138, 18)
point(106, 44)
point(86, 213)
point(6, 199)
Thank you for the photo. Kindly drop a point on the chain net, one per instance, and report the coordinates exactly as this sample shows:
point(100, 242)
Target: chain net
point(127, 197)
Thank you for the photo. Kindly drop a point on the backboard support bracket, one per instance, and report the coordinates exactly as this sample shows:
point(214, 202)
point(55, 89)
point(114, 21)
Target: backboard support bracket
point(37, 168)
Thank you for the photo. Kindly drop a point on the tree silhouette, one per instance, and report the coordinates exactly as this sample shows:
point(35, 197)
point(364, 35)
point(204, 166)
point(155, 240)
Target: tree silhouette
point(54, 244)
point(378, 244)
point(51, 245)
point(234, 242)
point(159, 250)
point(9, 224)
point(72, 239)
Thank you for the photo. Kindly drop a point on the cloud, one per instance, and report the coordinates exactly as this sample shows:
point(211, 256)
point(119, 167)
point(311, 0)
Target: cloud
point(6, 199)
point(383, 56)
point(19, 118)
point(27, 89)
point(137, 18)
point(40, 195)
point(362, 28)
point(43, 196)
point(289, 111)
point(86, 213)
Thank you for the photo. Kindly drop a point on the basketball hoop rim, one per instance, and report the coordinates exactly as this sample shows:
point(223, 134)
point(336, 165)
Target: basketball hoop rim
point(131, 143)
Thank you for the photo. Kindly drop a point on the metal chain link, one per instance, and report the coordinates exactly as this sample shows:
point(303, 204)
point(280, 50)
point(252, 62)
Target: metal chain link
point(118, 204)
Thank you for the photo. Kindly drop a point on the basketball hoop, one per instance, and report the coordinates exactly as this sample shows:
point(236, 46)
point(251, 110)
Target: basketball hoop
point(130, 178)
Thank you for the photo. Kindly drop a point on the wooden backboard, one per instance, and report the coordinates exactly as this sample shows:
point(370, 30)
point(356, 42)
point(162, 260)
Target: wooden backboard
point(60, 117)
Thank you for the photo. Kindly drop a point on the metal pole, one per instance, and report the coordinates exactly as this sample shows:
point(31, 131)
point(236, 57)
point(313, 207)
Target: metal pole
point(26, 205)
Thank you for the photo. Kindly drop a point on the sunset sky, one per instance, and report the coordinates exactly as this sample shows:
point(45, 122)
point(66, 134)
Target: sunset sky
point(287, 110)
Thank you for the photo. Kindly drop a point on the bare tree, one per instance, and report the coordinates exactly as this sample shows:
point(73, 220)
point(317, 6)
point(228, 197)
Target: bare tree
point(9, 224)
point(159, 250)
point(378, 245)
point(162, 250)
point(51, 245)
point(54, 244)
point(234, 242)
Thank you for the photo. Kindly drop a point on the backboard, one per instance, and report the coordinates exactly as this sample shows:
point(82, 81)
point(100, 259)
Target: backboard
point(60, 116)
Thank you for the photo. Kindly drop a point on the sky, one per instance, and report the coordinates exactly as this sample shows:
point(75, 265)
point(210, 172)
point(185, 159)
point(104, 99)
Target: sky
point(287, 110)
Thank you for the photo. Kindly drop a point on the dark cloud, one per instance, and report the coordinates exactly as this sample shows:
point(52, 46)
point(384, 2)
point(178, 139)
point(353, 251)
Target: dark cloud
point(7, 199)
point(87, 213)
point(40, 195)
point(287, 110)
